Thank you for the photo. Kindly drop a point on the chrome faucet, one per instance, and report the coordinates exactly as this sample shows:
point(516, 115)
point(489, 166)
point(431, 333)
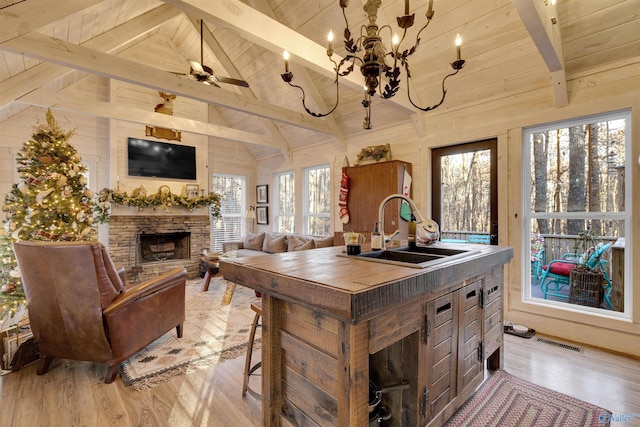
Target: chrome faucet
point(429, 225)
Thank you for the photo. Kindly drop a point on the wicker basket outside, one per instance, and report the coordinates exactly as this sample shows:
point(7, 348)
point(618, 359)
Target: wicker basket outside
point(586, 287)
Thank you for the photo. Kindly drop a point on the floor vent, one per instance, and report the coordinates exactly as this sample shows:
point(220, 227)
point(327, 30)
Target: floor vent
point(561, 345)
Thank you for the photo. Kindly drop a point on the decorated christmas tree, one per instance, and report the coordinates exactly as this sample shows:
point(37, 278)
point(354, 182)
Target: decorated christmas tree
point(50, 202)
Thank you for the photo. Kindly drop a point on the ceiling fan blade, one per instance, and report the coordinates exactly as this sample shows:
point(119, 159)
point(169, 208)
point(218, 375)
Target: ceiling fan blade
point(211, 81)
point(229, 80)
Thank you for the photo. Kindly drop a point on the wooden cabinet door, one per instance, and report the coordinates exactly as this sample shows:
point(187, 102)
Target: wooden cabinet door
point(492, 328)
point(470, 356)
point(441, 353)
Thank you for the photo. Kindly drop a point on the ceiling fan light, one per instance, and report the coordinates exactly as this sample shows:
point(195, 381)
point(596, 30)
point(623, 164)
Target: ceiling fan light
point(196, 67)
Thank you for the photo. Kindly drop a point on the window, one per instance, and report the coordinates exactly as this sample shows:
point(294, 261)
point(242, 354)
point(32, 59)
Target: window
point(285, 212)
point(317, 200)
point(231, 225)
point(575, 182)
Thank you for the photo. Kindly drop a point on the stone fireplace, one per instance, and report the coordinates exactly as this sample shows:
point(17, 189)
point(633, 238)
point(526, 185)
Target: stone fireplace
point(149, 245)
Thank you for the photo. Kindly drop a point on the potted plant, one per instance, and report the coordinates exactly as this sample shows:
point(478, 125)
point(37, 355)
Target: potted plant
point(586, 282)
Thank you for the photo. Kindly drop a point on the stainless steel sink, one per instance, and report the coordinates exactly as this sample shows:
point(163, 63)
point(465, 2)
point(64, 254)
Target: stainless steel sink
point(433, 250)
point(393, 255)
point(418, 257)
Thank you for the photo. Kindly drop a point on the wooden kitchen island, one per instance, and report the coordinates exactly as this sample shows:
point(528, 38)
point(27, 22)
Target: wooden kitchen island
point(331, 324)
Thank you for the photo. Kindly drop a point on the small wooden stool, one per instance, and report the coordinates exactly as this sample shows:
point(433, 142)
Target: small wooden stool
point(212, 268)
point(248, 369)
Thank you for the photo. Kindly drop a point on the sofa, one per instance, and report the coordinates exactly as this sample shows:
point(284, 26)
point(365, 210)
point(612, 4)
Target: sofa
point(271, 242)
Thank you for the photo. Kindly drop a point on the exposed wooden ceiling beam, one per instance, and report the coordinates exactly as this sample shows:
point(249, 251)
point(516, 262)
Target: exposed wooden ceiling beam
point(30, 15)
point(82, 105)
point(112, 42)
point(540, 20)
point(307, 81)
point(274, 36)
point(92, 61)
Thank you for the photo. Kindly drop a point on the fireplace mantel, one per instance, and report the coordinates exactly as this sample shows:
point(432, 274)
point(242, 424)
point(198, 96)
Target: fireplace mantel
point(156, 211)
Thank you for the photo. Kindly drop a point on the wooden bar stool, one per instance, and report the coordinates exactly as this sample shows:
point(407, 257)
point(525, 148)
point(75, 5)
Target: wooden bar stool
point(248, 369)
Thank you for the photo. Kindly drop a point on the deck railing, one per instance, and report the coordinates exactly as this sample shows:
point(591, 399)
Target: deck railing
point(555, 245)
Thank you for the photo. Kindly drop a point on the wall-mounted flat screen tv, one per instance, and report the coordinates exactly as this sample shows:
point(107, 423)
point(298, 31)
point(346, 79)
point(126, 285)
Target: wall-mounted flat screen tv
point(161, 159)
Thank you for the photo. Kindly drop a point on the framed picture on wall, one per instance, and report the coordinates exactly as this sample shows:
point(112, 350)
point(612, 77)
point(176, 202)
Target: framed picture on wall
point(262, 215)
point(192, 190)
point(262, 194)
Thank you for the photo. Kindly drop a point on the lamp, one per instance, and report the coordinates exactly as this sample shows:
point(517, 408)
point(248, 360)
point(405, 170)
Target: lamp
point(251, 214)
point(371, 53)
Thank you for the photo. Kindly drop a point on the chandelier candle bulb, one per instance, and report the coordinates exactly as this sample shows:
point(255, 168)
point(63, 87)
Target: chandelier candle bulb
point(406, 7)
point(285, 55)
point(458, 43)
point(330, 38)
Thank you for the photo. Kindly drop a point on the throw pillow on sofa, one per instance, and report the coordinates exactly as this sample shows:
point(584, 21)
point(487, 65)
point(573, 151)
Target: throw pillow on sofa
point(326, 242)
point(254, 241)
point(297, 243)
point(274, 243)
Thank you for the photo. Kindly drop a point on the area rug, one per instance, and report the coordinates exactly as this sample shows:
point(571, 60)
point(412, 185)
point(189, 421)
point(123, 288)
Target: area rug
point(507, 401)
point(213, 333)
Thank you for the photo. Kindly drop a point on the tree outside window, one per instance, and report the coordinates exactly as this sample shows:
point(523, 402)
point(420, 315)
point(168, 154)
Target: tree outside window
point(317, 196)
point(285, 202)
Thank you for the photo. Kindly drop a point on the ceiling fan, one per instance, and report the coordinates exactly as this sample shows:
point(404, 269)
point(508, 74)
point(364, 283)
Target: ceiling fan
point(204, 74)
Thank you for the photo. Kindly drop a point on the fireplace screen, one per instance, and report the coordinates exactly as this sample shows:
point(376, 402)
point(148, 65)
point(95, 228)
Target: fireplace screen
point(164, 246)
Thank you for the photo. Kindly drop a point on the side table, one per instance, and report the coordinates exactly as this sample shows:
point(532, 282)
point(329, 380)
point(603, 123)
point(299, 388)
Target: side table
point(212, 267)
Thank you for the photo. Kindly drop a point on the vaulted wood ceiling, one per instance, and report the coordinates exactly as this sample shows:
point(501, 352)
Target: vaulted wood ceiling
point(511, 47)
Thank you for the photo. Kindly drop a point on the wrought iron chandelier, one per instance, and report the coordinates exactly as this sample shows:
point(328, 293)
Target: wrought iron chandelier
point(370, 53)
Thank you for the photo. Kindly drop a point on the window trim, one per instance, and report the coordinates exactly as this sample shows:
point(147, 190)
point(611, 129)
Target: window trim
point(243, 207)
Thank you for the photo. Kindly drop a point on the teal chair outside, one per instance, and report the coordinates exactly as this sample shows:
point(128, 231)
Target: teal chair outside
point(557, 272)
point(538, 257)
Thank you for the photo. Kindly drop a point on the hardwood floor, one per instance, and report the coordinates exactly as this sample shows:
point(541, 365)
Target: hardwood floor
point(73, 393)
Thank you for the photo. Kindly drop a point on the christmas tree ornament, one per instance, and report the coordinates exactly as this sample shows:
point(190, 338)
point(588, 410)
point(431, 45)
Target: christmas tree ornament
point(45, 159)
point(16, 234)
point(42, 194)
point(23, 187)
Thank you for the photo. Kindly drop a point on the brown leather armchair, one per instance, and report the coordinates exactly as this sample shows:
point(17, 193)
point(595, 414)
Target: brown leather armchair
point(80, 308)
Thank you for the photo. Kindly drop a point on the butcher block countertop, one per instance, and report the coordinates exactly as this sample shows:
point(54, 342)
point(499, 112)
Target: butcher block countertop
point(353, 289)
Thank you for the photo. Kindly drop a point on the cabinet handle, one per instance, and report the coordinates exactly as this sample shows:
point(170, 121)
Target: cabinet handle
point(445, 307)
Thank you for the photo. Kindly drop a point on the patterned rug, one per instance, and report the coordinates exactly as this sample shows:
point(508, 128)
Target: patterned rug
point(212, 334)
point(504, 401)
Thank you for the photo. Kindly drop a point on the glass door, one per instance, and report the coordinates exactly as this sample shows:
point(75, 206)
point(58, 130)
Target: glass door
point(465, 200)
